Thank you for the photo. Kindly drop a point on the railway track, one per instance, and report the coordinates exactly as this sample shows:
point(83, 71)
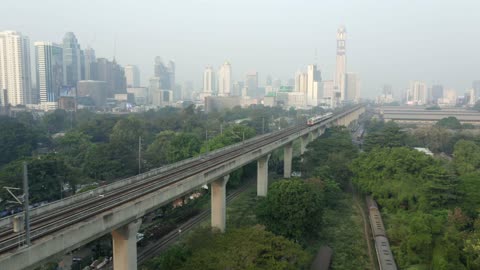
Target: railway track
point(163, 243)
point(74, 213)
point(60, 218)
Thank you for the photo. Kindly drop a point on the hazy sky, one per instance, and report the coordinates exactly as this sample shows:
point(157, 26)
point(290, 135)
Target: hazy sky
point(387, 41)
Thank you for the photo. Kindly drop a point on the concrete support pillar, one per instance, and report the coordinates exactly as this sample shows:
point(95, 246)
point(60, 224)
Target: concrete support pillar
point(320, 132)
point(303, 143)
point(125, 246)
point(219, 203)
point(262, 175)
point(287, 160)
point(18, 224)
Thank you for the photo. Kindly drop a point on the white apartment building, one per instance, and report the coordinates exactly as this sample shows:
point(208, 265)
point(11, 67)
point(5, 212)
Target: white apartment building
point(15, 71)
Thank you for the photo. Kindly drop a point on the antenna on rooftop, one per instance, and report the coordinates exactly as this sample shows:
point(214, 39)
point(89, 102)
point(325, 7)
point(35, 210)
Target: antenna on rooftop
point(114, 46)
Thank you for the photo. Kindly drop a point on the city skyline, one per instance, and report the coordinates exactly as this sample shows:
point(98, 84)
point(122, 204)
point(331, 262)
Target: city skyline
point(382, 44)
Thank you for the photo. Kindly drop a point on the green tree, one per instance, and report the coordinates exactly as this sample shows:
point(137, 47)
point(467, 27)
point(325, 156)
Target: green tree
point(73, 147)
point(16, 140)
point(247, 248)
point(56, 121)
point(47, 176)
point(403, 178)
point(450, 122)
point(466, 157)
point(330, 155)
point(173, 258)
point(169, 147)
point(435, 138)
point(389, 135)
point(230, 135)
point(292, 208)
point(472, 246)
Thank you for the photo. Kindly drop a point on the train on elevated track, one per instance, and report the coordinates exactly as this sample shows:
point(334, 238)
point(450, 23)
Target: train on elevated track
point(318, 118)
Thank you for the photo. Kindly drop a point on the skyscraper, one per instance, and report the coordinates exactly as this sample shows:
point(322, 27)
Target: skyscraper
point(341, 63)
point(49, 65)
point(301, 82)
point(89, 56)
point(313, 83)
point(437, 93)
point(268, 80)
point(132, 75)
point(72, 62)
point(417, 93)
point(251, 82)
point(352, 87)
point(225, 79)
point(113, 74)
point(15, 71)
point(166, 74)
point(171, 73)
point(208, 80)
point(476, 89)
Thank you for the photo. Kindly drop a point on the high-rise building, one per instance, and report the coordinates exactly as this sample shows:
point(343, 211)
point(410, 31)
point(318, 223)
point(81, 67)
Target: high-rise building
point(111, 73)
point(238, 89)
point(187, 90)
point(341, 62)
point(225, 79)
point(166, 74)
point(437, 93)
point(476, 89)
point(89, 61)
point(417, 94)
point(300, 82)
point(268, 81)
point(162, 85)
point(251, 82)
point(176, 88)
point(72, 60)
point(352, 87)
point(92, 93)
point(313, 81)
point(15, 71)
point(49, 67)
point(132, 75)
point(209, 80)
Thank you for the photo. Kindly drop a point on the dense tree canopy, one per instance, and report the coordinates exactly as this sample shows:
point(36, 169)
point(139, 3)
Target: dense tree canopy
point(246, 248)
point(16, 140)
point(450, 122)
point(404, 178)
point(292, 208)
point(385, 135)
point(329, 156)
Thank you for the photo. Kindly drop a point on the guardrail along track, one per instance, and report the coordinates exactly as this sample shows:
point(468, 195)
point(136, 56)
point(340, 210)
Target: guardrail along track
point(62, 217)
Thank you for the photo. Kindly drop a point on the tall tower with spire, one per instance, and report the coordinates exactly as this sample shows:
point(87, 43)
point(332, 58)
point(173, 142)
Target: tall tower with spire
point(341, 62)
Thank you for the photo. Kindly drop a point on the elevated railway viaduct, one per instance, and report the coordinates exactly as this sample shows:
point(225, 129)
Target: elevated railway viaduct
point(117, 208)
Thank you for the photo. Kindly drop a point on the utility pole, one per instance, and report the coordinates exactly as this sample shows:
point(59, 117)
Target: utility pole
point(139, 154)
point(263, 125)
point(26, 210)
point(221, 129)
point(206, 138)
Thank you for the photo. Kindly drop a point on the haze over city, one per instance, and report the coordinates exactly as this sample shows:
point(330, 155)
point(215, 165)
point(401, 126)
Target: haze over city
point(391, 42)
point(247, 134)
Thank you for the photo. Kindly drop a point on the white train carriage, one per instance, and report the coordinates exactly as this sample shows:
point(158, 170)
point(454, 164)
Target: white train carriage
point(384, 254)
point(319, 118)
